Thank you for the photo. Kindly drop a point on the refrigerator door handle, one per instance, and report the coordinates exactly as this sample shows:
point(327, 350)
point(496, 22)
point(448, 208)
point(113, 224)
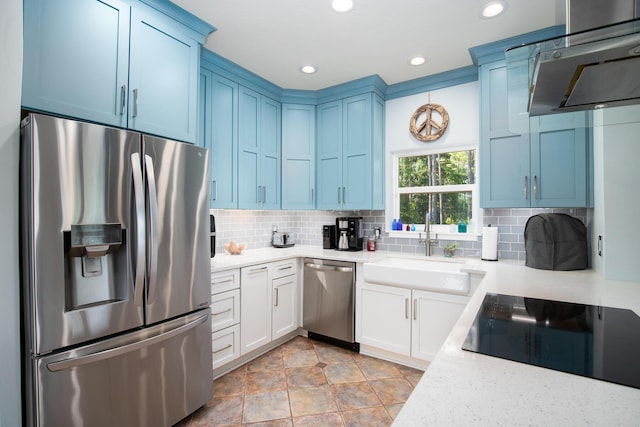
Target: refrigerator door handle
point(118, 351)
point(153, 228)
point(138, 192)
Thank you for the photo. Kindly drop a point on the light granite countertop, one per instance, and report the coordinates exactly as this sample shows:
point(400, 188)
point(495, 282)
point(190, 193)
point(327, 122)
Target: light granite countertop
point(461, 388)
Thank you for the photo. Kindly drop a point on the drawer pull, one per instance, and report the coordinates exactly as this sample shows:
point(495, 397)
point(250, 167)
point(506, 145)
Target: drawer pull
point(254, 270)
point(223, 348)
point(227, 279)
point(221, 312)
point(285, 268)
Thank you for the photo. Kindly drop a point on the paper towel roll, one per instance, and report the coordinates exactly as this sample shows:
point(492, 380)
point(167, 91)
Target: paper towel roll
point(490, 243)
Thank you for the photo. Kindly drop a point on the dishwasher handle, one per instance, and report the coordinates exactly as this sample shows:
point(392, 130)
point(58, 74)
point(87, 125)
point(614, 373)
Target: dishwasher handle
point(328, 267)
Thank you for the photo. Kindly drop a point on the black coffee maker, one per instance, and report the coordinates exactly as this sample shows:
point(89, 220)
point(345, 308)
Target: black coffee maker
point(349, 233)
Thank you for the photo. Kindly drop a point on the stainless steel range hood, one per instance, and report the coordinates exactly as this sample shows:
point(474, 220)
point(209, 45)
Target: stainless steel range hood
point(584, 70)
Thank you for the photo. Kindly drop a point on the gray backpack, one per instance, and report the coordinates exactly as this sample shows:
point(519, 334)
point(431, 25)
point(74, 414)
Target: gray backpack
point(556, 242)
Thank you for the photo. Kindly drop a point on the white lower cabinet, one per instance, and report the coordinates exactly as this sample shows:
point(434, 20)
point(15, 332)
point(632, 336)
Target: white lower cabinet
point(269, 303)
point(225, 316)
point(408, 322)
point(255, 307)
point(225, 345)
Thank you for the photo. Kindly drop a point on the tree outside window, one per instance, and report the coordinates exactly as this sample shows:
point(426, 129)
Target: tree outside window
point(442, 184)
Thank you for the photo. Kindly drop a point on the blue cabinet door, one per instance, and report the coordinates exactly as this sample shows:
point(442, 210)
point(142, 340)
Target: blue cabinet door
point(329, 155)
point(356, 152)
point(504, 156)
point(163, 78)
point(76, 56)
point(249, 195)
point(298, 156)
point(559, 160)
point(219, 133)
point(377, 154)
point(270, 149)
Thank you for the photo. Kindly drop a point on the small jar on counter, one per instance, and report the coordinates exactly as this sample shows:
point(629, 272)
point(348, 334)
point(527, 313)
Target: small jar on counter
point(371, 244)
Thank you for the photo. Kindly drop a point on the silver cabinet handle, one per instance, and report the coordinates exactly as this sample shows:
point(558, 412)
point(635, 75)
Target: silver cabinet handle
point(344, 196)
point(329, 268)
point(140, 241)
point(406, 308)
point(221, 312)
point(339, 196)
point(526, 188)
point(312, 196)
point(259, 194)
point(276, 298)
point(135, 103)
point(153, 228)
point(218, 282)
point(415, 309)
point(535, 187)
point(214, 190)
point(222, 349)
point(117, 351)
point(264, 194)
point(255, 270)
point(123, 98)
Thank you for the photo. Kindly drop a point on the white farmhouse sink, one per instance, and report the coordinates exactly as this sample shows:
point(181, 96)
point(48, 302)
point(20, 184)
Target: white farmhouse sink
point(426, 274)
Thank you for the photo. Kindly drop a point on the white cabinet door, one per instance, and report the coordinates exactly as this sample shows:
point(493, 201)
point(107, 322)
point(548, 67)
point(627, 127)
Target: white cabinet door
point(225, 309)
point(255, 307)
point(284, 305)
point(433, 317)
point(383, 317)
point(225, 345)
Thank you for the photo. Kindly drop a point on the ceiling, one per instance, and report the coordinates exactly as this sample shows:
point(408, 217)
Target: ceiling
point(275, 38)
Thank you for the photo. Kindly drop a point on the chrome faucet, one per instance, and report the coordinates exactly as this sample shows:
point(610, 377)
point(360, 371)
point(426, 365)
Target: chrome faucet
point(428, 241)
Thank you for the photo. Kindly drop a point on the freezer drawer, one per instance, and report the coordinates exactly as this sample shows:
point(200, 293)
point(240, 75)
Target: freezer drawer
point(154, 377)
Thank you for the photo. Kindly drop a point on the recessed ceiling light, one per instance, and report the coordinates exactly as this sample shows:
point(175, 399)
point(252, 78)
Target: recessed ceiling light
point(493, 9)
point(308, 69)
point(342, 5)
point(417, 60)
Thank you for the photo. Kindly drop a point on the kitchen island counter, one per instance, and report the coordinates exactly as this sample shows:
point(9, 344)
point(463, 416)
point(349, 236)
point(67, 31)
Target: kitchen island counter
point(462, 388)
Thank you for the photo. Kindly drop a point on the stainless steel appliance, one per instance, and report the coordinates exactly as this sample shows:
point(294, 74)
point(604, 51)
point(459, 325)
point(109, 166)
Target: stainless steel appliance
point(329, 301)
point(282, 239)
point(116, 286)
point(350, 233)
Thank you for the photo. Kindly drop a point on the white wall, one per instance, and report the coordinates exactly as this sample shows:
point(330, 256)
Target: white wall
point(10, 84)
point(462, 102)
point(617, 192)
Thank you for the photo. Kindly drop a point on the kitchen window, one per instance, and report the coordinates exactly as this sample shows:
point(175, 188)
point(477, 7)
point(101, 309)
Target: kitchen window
point(442, 183)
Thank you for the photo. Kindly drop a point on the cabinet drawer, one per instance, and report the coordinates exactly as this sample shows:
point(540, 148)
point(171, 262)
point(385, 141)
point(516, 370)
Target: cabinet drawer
point(225, 309)
point(225, 281)
point(284, 268)
point(225, 345)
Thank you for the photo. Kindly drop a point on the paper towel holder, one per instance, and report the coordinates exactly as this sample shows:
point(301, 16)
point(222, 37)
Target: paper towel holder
point(489, 244)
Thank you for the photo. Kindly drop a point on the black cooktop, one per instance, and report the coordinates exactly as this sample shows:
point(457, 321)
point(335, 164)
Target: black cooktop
point(593, 341)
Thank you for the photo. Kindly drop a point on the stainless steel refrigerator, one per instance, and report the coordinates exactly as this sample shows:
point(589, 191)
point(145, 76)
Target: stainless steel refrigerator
point(116, 276)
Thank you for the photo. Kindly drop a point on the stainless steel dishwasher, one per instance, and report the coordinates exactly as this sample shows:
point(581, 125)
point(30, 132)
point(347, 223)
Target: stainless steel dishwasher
point(329, 302)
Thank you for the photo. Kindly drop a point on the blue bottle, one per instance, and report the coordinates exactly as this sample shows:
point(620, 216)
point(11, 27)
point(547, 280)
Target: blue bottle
point(399, 224)
point(413, 227)
point(394, 224)
point(462, 227)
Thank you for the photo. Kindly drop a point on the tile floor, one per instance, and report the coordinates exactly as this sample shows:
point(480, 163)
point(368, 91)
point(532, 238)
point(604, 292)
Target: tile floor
point(308, 383)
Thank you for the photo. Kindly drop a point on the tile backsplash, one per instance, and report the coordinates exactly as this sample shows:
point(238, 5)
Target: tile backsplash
point(254, 229)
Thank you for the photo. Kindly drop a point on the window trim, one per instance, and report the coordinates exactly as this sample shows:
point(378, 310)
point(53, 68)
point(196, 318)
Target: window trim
point(443, 231)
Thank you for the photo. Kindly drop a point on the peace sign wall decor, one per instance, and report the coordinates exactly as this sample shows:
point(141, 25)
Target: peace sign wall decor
point(425, 124)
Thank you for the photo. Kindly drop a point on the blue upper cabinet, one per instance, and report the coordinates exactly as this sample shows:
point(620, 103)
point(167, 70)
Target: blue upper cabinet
point(350, 152)
point(298, 156)
point(114, 62)
point(259, 143)
point(219, 133)
point(76, 59)
point(546, 165)
point(163, 78)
